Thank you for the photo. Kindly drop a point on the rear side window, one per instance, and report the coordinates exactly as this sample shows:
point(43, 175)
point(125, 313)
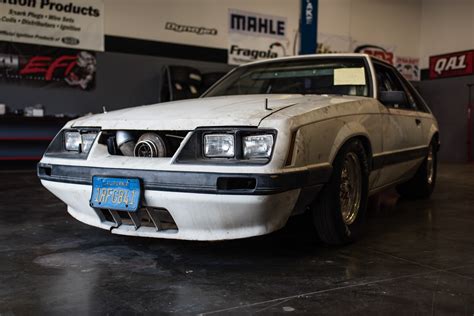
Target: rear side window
point(417, 99)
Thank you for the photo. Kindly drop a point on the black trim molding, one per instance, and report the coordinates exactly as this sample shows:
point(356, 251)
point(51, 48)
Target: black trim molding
point(194, 182)
point(118, 44)
point(383, 160)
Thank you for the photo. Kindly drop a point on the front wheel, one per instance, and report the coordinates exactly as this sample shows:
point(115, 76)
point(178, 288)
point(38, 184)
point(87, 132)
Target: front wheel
point(340, 210)
point(422, 184)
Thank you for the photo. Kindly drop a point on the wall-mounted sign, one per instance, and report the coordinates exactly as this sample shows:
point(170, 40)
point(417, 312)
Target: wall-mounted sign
point(74, 24)
point(199, 30)
point(47, 66)
point(376, 51)
point(452, 65)
point(408, 67)
point(255, 24)
point(308, 26)
point(254, 36)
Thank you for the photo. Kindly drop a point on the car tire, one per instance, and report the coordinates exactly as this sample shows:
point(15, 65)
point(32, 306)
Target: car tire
point(422, 184)
point(339, 212)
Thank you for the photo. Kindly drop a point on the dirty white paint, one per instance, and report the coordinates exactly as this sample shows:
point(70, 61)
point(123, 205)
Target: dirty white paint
point(319, 125)
point(198, 216)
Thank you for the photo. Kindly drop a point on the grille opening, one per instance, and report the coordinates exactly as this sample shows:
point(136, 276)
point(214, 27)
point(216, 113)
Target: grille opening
point(167, 221)
point(172, 140)
point(158, 218)
point(236, 183)
point(107, 216)
point(45, 170)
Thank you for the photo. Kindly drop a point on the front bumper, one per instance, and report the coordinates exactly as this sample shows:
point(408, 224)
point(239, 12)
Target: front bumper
point(199, 206)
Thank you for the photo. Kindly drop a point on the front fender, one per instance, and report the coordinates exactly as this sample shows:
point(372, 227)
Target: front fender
point(347, 131)
point(319, 142)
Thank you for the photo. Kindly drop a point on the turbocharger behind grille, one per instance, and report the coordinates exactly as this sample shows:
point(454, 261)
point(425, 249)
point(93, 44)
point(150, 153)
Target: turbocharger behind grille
point(125, 142)
point(150, 145)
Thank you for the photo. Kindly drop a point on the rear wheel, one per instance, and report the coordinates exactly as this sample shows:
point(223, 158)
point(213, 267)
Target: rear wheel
point(340, 210)
point(422, 184)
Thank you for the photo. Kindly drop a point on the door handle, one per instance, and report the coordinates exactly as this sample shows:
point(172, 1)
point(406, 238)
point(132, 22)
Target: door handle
point(417, 121)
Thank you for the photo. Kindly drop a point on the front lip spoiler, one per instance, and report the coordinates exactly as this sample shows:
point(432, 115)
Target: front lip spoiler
point(186, 181)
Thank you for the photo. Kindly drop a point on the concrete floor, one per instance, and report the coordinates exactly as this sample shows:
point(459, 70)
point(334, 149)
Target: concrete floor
point(417, 258)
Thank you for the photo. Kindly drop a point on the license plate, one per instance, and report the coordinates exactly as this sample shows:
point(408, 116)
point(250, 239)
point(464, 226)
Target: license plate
point(115, 193)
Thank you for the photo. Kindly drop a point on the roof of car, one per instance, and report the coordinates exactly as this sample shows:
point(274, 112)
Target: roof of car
point(308, 57)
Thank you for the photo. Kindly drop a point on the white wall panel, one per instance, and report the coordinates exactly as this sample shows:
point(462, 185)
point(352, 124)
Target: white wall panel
point(146, 19)
point(446, 26)
point(393, 24)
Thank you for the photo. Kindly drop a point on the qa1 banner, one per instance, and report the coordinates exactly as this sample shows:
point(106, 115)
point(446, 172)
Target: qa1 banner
point(74, 24)
point(452, 65)
point(254, 36)
point(47, 66)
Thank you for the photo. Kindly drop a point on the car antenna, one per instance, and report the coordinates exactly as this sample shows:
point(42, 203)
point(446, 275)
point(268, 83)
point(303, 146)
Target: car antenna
point(104, 109)
point(266, 105)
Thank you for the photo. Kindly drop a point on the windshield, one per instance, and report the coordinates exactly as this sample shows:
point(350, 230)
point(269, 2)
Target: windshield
point(341, 76)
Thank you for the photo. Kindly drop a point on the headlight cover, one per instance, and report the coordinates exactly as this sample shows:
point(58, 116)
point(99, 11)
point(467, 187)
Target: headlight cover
point(225, 146)
point(72, 141)
point(257, 146)
point(219, 145)
point(87, 141)
point(77, 141)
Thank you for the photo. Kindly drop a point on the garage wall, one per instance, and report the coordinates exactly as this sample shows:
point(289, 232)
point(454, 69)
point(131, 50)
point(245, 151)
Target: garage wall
point(446, 26)
point(122, 80)
point(394, 25)
point(448, 99)
point(146, 19)
point(137, 28)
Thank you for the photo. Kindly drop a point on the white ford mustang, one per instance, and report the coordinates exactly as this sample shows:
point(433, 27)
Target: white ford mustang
point(271, 139)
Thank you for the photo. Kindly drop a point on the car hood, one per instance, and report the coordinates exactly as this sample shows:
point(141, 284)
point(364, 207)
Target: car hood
point(242, 110)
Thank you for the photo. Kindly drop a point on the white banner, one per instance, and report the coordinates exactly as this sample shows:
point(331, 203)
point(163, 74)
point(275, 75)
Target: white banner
point(409, 67)
point(254, 36)
point(62, 23)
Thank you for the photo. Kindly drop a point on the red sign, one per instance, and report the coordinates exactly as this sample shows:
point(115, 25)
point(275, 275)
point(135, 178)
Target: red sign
point(41, 65)
point(375, 51)
point(452, 65)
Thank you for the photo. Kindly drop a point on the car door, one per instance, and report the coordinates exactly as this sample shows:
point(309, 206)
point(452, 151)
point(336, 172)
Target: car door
point(401, 130)
point(428, 123)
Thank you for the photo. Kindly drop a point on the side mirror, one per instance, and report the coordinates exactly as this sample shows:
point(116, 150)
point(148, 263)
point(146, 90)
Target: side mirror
point(392, 97)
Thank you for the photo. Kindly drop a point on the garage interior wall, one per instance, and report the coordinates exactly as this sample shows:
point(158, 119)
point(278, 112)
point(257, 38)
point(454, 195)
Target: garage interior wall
point(124, 80)
point(376, 22)
point(146, 19)
point(448, 26)
point(448, 99)
point(429, 27)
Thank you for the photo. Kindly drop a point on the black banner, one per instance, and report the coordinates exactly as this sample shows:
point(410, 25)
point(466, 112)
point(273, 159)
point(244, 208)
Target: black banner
point(47, 66)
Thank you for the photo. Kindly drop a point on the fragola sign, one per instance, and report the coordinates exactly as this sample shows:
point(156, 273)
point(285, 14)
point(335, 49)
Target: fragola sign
point(452, 65)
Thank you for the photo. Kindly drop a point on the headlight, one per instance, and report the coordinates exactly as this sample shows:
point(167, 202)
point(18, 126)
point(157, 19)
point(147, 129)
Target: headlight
point(219, 145)
point(87, 141)
point(257, 146)
point(72, 141)
point(79, 142)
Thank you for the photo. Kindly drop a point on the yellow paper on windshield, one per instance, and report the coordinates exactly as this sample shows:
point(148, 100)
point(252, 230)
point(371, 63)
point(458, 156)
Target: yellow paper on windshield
point(349, 76)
